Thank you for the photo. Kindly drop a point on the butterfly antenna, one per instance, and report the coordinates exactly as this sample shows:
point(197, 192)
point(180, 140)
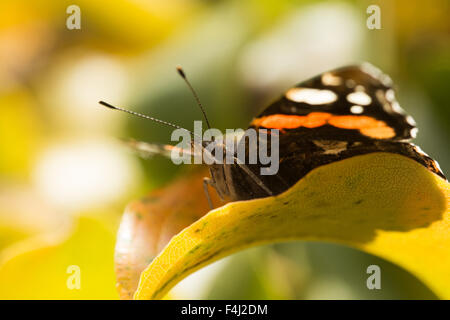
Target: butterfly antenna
point(103, 103)
point(197, 99)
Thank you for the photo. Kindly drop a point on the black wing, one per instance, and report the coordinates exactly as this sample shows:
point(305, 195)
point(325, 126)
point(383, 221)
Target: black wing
point(361, 91)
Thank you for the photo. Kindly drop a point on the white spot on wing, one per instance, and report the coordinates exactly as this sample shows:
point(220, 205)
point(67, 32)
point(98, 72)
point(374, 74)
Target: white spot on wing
point(371, 70)
point(390, 104)
point(376, 73)
point(359, 97)
point(381, 96)
point(414, 132)
point(311, 96)
point(396, 107)
point(410, 120)
point(390, 95)
point(386, 80)
point(356, 109)
point(328, 79)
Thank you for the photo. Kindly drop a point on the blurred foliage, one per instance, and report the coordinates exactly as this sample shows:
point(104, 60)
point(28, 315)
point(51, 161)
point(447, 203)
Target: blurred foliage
point(20, 134)
point(40, 270)
point(238, 55)
point(310, 270)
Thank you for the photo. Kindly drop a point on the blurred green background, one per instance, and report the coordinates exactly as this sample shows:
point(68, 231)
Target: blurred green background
point(61, 162)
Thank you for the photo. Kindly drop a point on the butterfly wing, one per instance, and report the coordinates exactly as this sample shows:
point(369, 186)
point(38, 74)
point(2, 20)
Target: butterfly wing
point(354, 102)
point(337, 115)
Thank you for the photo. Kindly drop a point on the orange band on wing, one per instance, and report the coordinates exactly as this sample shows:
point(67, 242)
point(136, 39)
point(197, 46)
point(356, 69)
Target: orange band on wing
point(378, 133)
point(355, 122)
point(285, 121)
point(368, 126)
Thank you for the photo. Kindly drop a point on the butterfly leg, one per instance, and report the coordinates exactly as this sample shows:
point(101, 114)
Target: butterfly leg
point(208, 181)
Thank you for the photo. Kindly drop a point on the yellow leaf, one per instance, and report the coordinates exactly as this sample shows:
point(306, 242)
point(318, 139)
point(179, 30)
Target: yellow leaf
point(52, 268)
point(384, 204)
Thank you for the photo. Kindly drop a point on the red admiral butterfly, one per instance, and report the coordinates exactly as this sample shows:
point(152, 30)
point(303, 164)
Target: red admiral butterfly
point(339, 114)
